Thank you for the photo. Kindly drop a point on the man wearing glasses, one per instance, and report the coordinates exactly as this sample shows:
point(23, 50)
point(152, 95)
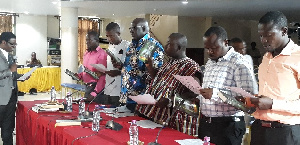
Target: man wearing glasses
point(8, 87)
point(134, 74)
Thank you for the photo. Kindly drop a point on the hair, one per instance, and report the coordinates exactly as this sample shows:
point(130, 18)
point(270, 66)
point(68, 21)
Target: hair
point(236, 40)
point(6, 36)
point(182, 40)
point(113, 26)
point(277, 17)
point(219, 31)
point(253, 44)
point(95, 34)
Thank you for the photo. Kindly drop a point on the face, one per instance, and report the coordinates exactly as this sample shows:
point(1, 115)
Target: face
point(33, 55)
point(137, 31)
point(11, 45)
point(91, 42)
point(172, 47)
point(215, 47)
point(239, 47)
point(271, 36)
point(113, 37)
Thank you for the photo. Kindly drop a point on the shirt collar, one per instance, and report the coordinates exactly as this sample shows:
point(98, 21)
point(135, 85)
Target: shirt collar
point(142, 39)
point(287, 50)
point(228, 54)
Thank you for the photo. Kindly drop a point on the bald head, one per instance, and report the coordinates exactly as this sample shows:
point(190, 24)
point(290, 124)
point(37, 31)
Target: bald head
point(139, 28)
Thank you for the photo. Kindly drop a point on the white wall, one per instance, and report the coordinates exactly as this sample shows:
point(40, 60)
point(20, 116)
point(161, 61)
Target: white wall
point(31, 32)
point(52, 27)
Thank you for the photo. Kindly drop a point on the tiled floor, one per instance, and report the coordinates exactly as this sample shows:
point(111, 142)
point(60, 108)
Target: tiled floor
point(28, 97)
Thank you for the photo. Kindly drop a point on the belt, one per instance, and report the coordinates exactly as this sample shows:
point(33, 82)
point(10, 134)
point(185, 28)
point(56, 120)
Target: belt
point(272, 124)
point(223, 119)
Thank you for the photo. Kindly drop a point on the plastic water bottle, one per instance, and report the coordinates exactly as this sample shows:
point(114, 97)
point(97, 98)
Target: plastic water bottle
point(96, 118)
point(206, 140)
point(133, 133)
point(69, 102)
point(53, 94)
point(81, 107)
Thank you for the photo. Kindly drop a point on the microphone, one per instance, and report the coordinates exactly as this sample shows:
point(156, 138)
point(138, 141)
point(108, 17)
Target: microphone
point(88, 113)
point(113, 125)
point(181, 101)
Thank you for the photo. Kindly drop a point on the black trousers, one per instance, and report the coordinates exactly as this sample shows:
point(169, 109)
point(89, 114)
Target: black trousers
point(222, 132)
point(7, 119)
point(285, 135)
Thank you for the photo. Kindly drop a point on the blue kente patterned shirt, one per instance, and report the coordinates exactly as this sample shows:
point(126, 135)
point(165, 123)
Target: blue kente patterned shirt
point(134, 72)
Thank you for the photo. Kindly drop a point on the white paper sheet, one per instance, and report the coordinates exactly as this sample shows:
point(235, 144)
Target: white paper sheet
point(26, 75)
point(118, 115)
point(147, 124)
point(99, 67)
point(240, 91)
point(190, 83)
point(143, 99)
point(190, 142)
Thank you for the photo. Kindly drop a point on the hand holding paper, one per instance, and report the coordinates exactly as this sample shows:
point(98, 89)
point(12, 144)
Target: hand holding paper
point(143, 99)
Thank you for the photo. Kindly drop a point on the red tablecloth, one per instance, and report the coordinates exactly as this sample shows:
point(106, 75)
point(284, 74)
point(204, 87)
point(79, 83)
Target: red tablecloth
point(39, 129)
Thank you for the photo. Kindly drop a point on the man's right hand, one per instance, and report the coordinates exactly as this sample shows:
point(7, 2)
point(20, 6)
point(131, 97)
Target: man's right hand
point(115, 64)
point(13, 67)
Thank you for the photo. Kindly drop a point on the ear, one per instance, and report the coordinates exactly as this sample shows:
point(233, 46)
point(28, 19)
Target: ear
point(3, 42)
point(284, 31)
point(226, 42)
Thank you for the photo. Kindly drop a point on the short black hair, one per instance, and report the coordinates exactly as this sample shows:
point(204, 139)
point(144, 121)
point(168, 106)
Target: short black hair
point(95, 34)
point(277, 17)
point(219, 31)
point(113, 26)
point(6, 36)
point(236, 40)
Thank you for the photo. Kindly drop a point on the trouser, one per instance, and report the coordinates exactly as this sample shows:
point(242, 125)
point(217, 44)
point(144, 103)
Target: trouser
point(274, 133)
point(222, 130)
point(108, 100)
point(7, 119)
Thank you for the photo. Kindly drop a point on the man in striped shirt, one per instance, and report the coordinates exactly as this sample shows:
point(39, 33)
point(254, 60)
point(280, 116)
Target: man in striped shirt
point(220, 121)
point(164, 86)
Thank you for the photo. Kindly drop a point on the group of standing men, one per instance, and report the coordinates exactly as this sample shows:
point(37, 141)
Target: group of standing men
point(277, 114)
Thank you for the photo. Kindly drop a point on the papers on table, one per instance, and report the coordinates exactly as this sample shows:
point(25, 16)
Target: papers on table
point(240, 91)
point(99, 67)
point(143, 99)
point(26, 75)
point(190, 83)
point(118, 115)
point(190, 142)
point(148, 124)
point(67, 122)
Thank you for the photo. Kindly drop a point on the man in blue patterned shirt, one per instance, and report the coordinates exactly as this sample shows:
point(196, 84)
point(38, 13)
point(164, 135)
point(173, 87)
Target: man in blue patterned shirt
point(221, 122)
point(135, 75)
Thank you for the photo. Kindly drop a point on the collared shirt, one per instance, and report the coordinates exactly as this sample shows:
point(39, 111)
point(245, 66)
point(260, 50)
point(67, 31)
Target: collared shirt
point(134, 74)
point(230, 70)
point(119, 51)
point(94, 57)
point(165, 85)
point(279, 79)
point(5, 53)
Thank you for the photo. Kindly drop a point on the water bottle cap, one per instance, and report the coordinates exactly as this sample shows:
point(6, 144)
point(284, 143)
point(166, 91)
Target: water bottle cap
point(133, 121)
point(207, 139)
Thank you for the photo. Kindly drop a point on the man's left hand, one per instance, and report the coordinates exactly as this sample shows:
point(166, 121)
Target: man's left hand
point(263, 103)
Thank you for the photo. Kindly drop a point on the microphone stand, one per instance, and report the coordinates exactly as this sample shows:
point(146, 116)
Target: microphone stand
point(87, 112)
point(165, 123)
point(114, 125)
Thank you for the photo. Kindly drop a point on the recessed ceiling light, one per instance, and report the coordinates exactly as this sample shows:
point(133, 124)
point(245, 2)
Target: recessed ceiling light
point(185, 2)
point(26, 12)
point(154, 9)
point(113, 14)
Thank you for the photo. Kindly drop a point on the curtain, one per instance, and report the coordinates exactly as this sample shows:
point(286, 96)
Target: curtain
point(85, 26)
point(5, 24)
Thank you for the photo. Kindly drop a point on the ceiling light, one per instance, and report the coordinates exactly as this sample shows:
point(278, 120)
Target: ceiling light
point(26, 12)
point(113, 14)
point(185, 2)
point(54, 3)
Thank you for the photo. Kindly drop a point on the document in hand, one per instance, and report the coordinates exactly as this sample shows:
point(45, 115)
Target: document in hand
point(26, 75)
point(241, 92)
point(99, 67)
point(143, 99)
point(190, 83)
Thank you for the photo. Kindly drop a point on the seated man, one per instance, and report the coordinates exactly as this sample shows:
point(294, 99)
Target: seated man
point(33, 61)
point(164, 86)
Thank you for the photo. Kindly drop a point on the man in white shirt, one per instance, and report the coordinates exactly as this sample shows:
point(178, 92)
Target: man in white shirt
point(117, 48)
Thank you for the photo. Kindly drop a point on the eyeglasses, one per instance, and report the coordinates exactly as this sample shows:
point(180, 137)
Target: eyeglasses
point(135, 27)
point(12, 44)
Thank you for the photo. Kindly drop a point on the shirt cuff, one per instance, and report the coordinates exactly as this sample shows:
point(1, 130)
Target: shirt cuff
point(215, 93)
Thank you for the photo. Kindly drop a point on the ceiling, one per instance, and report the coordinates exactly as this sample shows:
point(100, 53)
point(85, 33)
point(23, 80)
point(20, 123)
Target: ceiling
point(233, 9)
